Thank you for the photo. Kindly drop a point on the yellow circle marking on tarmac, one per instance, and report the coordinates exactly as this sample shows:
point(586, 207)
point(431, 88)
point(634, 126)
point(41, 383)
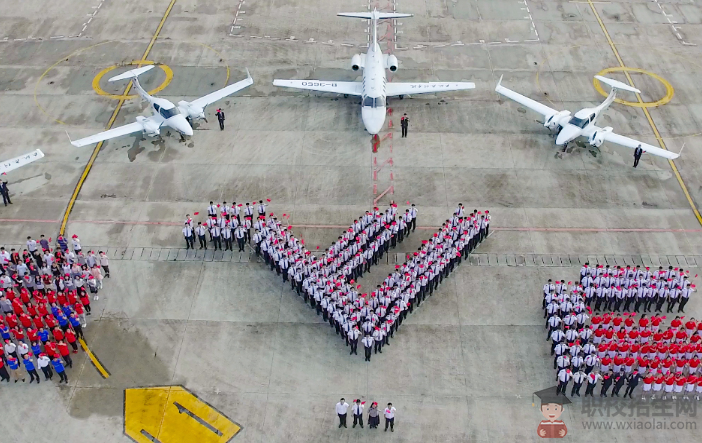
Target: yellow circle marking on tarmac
point(166, 70)
point(669, 91)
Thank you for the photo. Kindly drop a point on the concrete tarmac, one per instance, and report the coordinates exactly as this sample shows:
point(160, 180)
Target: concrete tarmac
point(463, 366)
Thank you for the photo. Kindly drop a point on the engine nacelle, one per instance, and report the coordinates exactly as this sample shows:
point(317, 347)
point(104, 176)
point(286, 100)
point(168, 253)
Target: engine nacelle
point(392, 63)
point(191, 111)
point(356, 62)
point(554, 121)
point(598, 137)
point(150, 128)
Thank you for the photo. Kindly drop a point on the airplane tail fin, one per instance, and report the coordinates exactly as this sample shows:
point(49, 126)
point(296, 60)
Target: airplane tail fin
point(134, 73)
point(375, 15)
point(614, 84)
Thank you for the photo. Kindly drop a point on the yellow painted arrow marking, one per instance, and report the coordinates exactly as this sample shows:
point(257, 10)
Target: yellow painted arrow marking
point(172, 414)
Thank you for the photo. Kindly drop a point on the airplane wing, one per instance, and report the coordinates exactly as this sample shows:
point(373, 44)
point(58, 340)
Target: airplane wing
point(525, 101)
point(631, 143)
point(350, 88)
point(224, 92)
point(23, 160)
point(106, 135)
point(394, 89)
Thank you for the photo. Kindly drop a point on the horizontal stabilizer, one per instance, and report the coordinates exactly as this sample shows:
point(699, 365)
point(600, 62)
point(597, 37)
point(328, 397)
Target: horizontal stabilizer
point(134, 73)
point(373, 15)
point(617, 85)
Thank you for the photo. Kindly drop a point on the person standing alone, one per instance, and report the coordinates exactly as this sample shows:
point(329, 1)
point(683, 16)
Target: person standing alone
point(220, 118)
point(404, 123)
point(5, 193)
point(637, 155)
point(390, 418)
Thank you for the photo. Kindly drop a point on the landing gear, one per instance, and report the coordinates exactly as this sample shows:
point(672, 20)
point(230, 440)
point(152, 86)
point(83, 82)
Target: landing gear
point(346, 96)
point(402, 97)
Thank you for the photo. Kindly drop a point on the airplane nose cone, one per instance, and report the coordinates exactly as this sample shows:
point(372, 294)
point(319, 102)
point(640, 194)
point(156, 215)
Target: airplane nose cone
point(182, 125)
point(567, 134)
point(373, 119)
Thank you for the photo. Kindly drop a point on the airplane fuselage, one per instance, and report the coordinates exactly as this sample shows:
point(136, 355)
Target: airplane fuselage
point(164, 112)
point(373, 98)
point(582, 124)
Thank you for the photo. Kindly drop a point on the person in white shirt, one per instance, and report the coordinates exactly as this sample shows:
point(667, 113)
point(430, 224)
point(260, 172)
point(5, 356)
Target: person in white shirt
point(368, 346)
point(341, 409)
point(105, 263)
point(76, 244)
point(189, 239)
point(358, 413)
point(390, 418)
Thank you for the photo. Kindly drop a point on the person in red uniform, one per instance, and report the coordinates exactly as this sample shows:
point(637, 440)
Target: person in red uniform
point(65, 353)
point(628, 323)
point(618, 362)
point(680, 365)
point(681, 336)
point(32, 335)
point(42, 310)
point(50, 349)
point(645, 335)
point(18, 333)
point(32, 309)
point(691, 326)
point(666, 365)
point(668, 335)
point(17, 306)
point(25, 320)
point(655, 364)
point(50, 321)
point(58, 334)
point(11, 320)
point(71, 339)
point(655, 322)
point(643, 322)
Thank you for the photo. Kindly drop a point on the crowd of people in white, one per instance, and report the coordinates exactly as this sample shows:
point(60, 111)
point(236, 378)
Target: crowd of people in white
point(329, 283)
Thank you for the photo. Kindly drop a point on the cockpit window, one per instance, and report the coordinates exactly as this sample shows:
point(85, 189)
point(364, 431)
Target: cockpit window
point(374, 102)
point(579, 122)
point(168, 113)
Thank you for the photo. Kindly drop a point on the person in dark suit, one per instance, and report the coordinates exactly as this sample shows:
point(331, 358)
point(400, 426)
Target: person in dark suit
point(638, 152)
point(5, 193)
point(220, 117)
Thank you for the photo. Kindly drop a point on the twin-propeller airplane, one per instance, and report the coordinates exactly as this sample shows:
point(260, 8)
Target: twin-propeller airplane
point(583, 123)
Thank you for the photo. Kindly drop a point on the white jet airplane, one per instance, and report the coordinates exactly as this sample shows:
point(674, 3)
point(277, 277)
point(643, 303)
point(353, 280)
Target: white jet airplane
point(374, 88)
point(583, 123)
point(165, 113)
point(17, 162)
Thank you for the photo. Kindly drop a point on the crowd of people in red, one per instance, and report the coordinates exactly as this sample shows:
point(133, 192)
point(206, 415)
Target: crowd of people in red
point(614, 349)
point(44, 305)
